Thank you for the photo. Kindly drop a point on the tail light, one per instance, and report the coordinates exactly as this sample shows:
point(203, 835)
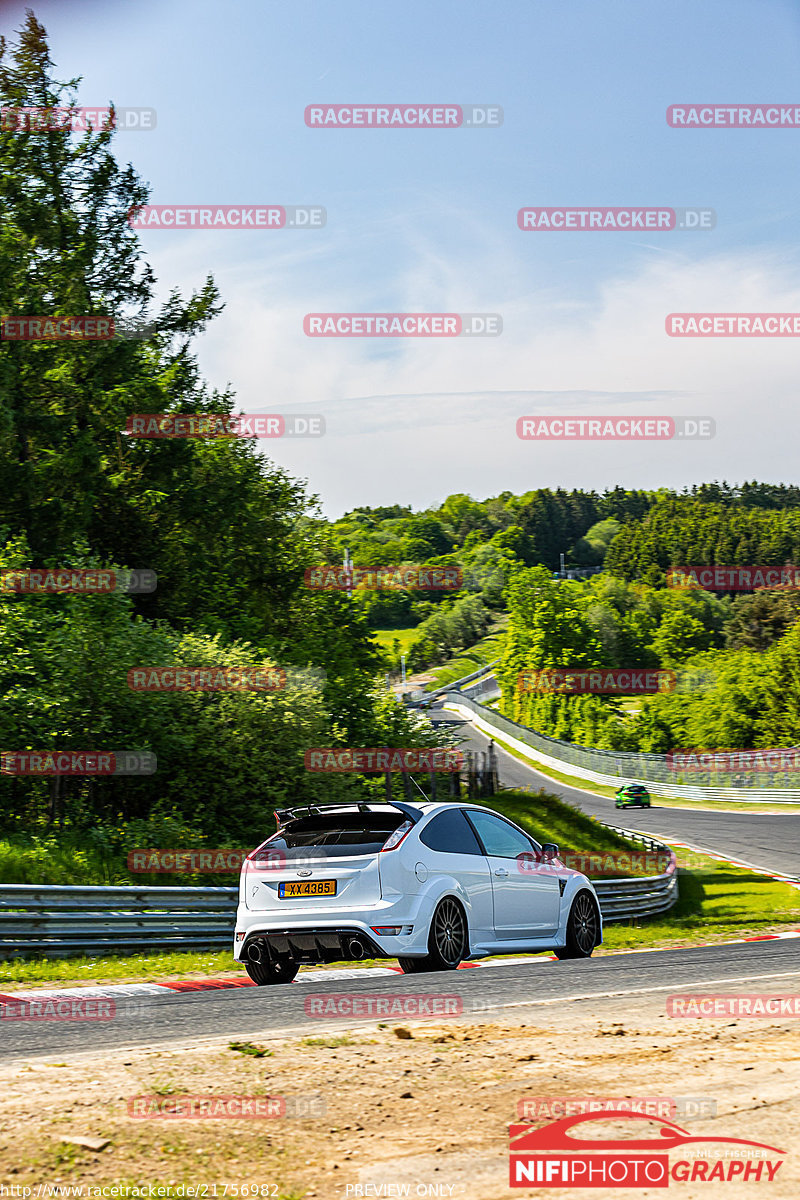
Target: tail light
point(394, 839)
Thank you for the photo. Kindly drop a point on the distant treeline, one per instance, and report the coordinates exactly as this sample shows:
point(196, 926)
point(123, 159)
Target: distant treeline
point(714, 524)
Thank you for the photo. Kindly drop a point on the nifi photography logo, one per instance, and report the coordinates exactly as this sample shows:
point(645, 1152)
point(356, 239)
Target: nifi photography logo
point(561, 1155)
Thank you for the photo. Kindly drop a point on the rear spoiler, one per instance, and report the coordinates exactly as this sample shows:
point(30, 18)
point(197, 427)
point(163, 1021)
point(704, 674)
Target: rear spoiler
point(284, 815)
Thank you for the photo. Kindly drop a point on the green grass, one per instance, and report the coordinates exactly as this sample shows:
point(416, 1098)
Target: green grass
point(140, 968)
point(251, 1048)
point(718, 902)
point(328, 1043)
point(48, 861)
point(387, 637)
point(63, 860)
point(547, 818)
point(133, 968)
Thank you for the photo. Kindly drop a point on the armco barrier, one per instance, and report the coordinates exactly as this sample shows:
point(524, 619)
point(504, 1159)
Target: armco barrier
point(55, 922)
point(609, 767)
point(640, 896)
point(52, 922)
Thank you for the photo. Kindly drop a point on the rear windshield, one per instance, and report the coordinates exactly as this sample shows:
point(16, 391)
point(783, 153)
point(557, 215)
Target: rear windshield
point(337, 834)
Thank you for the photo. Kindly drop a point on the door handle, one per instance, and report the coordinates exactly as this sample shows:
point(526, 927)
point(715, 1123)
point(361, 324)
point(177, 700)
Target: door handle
point(502, 871)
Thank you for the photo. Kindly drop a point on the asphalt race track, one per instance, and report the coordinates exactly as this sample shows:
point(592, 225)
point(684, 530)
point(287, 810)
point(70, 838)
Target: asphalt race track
point(769, 841)
point(516, 991)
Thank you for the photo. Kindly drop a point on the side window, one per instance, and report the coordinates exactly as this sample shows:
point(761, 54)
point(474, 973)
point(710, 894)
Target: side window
point(450, 833)
point(498, 837)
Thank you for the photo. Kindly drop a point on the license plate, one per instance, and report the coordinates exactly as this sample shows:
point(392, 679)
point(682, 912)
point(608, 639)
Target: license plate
point(307, 887)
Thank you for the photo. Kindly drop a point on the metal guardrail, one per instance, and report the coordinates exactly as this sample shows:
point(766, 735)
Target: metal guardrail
point(610, 767)
point(52, 922)
point(639, 896)
point(455, 684)
point(55, 922)
point(484, 689)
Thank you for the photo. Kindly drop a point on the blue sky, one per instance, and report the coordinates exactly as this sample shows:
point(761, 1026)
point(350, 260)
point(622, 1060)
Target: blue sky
point(426, 221)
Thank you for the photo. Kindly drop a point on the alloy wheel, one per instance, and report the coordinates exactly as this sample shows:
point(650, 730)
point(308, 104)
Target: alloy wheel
point(584, 924)
point(449, 931)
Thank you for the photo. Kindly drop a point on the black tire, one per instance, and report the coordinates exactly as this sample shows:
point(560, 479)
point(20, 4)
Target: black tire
point(448, 940)
point(281, 970)
point(583, 928)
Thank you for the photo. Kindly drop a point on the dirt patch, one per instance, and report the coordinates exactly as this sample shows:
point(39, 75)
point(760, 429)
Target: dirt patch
point(372, 1105)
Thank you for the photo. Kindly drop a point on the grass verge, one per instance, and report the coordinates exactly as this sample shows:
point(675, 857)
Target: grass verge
point(718, 902)
point(387, 637)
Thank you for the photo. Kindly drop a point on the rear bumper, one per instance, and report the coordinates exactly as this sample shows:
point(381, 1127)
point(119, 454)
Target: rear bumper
point(324, 936)
point(314, 945)
point(311, 938)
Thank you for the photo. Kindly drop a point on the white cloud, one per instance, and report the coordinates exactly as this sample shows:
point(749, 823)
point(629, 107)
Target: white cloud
point(411, 420)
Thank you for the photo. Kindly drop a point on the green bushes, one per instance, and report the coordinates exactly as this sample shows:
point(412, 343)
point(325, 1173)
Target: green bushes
point(225, 760)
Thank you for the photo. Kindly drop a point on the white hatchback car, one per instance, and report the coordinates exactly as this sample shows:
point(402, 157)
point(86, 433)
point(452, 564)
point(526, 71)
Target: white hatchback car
point(430, 884)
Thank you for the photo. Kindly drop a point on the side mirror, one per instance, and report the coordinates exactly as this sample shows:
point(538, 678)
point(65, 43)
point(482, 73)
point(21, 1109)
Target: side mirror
point(549, 850)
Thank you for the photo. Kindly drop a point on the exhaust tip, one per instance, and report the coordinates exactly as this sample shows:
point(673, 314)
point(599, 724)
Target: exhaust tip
point(356, 949)
point(254, 952)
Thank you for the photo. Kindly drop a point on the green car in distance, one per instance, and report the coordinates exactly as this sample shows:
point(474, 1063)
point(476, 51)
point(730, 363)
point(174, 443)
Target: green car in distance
point(632, 795)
